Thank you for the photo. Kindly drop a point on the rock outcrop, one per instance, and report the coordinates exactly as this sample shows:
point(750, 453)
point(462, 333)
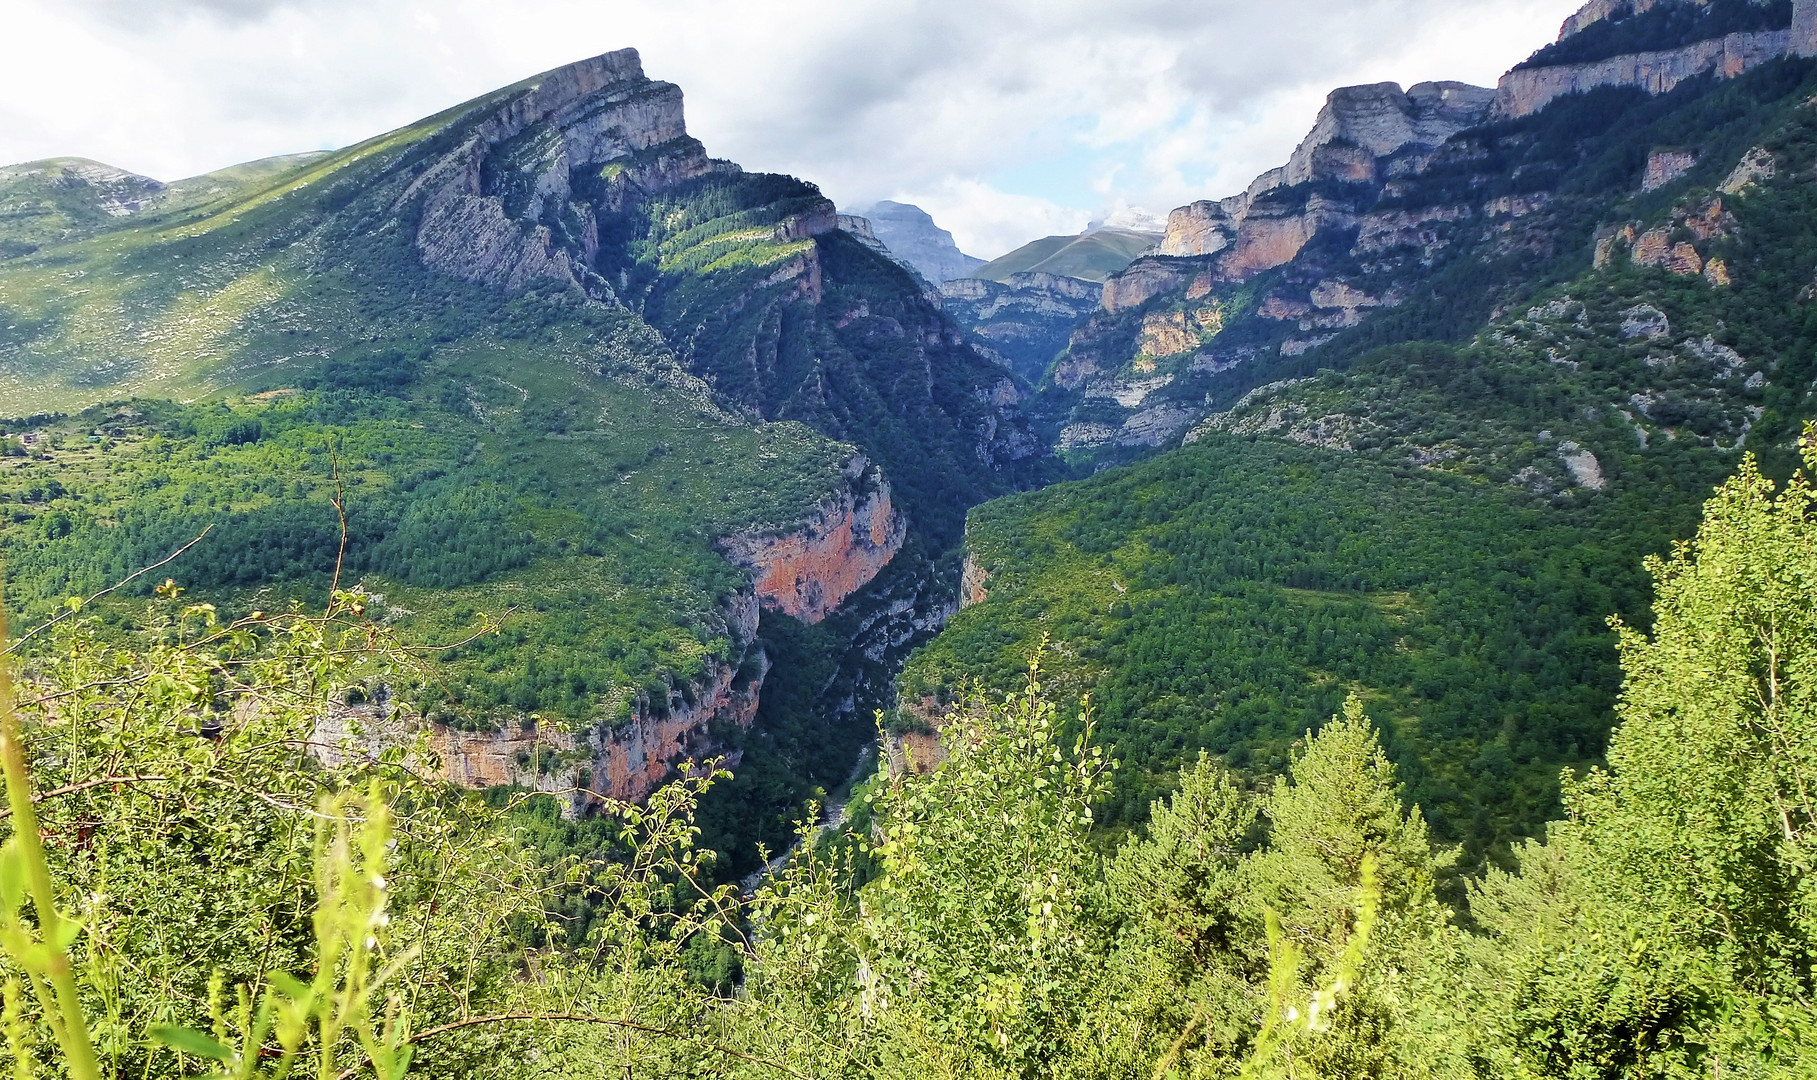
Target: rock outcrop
point(1024, 322)
point(1599, 10)
point(972, 581)
point(1525, 91)
point(911, 237)
point(497, 208)
point(1360, 125)
point(1387, 186)
point(1665, 166)
point(808, 570)
point(1679, 244)
point(625, 761)
point(1201, 228)
point(1358, 137)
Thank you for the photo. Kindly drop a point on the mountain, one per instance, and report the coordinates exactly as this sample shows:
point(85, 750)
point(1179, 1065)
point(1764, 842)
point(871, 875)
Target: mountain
point(1022, 322)
point(61, 199)
point(1471, 192)
point(1402, 418)
point(1090, 256)
point(1021, 309)
point(558, 365)
point(910, 235)
point(1329, 721)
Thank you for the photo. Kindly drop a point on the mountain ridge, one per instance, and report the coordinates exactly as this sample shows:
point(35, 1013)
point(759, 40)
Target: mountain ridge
point(583, 373)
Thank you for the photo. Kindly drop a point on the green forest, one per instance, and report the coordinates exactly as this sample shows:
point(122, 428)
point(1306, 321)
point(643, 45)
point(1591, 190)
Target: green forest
point(1417, 683)
point(179, 896)
point(1231, 595)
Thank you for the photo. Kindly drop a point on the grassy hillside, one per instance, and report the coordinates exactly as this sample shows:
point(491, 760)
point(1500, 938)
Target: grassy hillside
point(1091, 256)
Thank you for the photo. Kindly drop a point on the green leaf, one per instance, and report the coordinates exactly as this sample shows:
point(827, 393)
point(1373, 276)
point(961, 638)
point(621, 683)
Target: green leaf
point(289, 985)
point(190, 1041)
point(68, 930)
point(12, 876)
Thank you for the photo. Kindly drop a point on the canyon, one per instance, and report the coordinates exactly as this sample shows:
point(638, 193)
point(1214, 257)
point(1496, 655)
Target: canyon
point(806, 571)
point(623, 761)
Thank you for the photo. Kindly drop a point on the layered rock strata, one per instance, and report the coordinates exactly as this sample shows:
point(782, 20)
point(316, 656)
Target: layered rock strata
point(1358, 132)
point(497, 208)
point(1023, 322)
point(623, 761)
point(1384, 187)
point(809, 570)
point(1525, 91)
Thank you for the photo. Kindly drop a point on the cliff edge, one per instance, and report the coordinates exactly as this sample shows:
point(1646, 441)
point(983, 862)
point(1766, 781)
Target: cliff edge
point(808, 571)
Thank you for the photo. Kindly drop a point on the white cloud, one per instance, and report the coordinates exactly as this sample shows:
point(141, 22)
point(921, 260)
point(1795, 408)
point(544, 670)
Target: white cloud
point(1147, 102)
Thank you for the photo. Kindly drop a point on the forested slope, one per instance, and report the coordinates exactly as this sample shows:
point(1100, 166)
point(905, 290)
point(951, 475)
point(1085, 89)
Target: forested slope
point(1439, 506)
point(560, 368)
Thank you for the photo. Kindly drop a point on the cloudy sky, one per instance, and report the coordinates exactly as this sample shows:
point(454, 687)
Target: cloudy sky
point(1006, 119)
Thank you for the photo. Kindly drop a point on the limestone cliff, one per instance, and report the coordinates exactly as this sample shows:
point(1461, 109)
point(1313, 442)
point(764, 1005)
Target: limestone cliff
point(911, 237)
point(805, 571)
point(809, 569)
point(1385, 187)
point(1360, 135)
point(624, 761)
point(497, 208)
point(1525, 91)
point(1544, 78)
point(1023, 322)
point(972, 580)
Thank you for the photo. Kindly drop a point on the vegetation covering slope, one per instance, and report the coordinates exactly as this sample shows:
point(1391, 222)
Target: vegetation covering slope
point(549, 411)
point(1091, 256)
point(1230, 595)
point(1664, 928)
point(1436, 509)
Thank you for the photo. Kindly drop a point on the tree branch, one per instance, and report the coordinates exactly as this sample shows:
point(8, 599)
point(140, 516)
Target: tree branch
point(68, 611)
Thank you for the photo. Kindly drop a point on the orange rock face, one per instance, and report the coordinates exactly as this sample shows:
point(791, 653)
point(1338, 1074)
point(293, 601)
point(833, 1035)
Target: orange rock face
point(623, 761)
point(1164, 333)
point(808, 571)
point(1265, 243)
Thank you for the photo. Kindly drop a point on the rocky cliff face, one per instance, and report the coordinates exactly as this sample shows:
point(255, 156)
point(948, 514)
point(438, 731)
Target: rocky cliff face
point(625, 761)
point(1360, 125)
point(585, 178)
point(1387, 187)
point(1533, 85)
point(1525, 91)
point(1022, 323)
point(911, 236)
point(1361, 132)
point(499, 207)
point(808, 571)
